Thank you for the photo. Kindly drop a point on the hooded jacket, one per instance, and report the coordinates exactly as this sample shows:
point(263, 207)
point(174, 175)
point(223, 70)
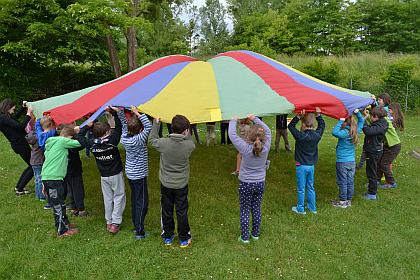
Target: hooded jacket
point(374, 136)
point(175, 151)
point(56, 157)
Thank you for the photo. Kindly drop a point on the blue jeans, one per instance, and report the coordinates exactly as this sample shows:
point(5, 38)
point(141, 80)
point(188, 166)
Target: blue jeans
point(305, 181)
point(38, 181)
point(345, 179)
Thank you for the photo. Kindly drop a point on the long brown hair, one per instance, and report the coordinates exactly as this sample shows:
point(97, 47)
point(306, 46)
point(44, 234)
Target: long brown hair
point(397, 115)
point(386, 98)
point(6, 105)
point(256, 135)
point(351, 122)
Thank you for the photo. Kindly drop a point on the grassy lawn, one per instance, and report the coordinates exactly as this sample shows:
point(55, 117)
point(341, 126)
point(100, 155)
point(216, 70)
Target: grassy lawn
point(372, 239)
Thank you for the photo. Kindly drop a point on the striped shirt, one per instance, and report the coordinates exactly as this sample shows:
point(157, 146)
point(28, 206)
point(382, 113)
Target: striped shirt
point(136, 164)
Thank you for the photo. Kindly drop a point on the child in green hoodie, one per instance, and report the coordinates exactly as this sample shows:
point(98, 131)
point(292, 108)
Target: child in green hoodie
point(53, 172)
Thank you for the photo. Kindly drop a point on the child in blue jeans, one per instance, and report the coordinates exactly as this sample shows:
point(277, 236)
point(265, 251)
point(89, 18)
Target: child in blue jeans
point(252, 173)
point(306, 156)
point(37, 159)
point(347, 131)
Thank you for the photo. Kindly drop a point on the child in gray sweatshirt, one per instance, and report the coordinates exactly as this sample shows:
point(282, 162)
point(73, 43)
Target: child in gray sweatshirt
point(174, 174)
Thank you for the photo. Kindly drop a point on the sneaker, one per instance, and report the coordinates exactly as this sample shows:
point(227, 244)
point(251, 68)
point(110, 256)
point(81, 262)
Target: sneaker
point(255, 238)
point(243, 241)
point(168, 241)
point(339, 203)
point(388, 186)
point(108, 227)
point(368, 196)
point(42, 200)
point(234, 173)
point(348, 203)
point(24, 192)
point(140, 236)
point(69, 232)
point(185, 243)
point(47, 207)
point(114, 229)
point(313, 211)
point(82, 214)
point(294, 209)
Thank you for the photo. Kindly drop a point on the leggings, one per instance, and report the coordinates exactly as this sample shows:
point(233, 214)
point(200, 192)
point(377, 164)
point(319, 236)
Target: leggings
point(25, 153)
point(250, 198)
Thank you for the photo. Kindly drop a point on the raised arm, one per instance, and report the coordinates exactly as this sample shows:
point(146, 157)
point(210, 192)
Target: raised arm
point(124, 127)
point(360, 122)
point(339, 132)
point(116, 133)
point(374, 129)
point(321, 125)
point(292, 128)
point(237, 141)
point(70, 143)
point(81, 137)
point(154, 135)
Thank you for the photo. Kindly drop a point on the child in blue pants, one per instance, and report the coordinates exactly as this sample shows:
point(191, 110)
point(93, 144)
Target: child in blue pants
point(347, 131)
point(306, 156)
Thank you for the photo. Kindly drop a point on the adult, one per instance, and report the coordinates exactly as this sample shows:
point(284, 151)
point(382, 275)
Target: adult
point(15, 132)
point(281, 131)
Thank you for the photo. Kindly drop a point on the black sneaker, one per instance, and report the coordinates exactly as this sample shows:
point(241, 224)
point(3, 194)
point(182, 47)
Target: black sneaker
point(23, 192)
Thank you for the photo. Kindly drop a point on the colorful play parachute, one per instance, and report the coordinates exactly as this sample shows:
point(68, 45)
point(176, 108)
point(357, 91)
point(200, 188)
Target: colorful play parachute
point(234, 83)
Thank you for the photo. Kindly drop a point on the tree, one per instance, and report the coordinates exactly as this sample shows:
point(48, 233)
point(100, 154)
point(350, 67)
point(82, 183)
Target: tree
point(213, 26)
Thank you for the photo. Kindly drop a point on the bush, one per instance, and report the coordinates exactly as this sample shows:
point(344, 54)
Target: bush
point(325, 71)
point(400, 84)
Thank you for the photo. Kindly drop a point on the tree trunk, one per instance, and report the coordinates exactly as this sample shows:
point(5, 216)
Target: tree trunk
point(131, 48)
point(113, 56)
point(131, 36)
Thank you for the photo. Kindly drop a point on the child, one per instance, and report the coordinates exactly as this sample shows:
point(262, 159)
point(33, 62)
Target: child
point(373, 147)
point(37, 159)
point(105, 149)
point(44, 128)
point(211, 133)
point(134, 140)
point(392, 146)
point(53, 171)
point(346, 131)
point(74, 183)
point(281, 131)
point(174, 174)
point(254, 153)
point(244, 126)
point(306, 156)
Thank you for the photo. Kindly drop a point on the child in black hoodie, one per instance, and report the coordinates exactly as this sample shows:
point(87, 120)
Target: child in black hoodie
point(373, 146)
point(104, 147)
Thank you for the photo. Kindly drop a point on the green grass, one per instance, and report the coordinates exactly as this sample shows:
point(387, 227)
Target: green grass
point(377, 240)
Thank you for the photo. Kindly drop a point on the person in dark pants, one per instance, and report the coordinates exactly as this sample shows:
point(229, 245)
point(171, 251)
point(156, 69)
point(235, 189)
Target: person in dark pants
point(224, 126)
point(134, 139)
point(74, 184)
point(15, 132)
point(373, 146)
point(53, 172)
point(174, 175)
point(193, 129)
point(281, 131)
